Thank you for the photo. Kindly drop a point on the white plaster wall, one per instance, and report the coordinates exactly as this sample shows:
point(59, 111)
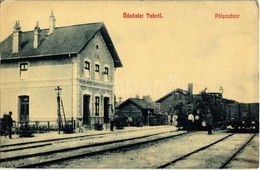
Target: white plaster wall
point(43, 77)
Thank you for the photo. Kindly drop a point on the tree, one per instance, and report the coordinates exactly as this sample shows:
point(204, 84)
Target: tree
point(148, 98)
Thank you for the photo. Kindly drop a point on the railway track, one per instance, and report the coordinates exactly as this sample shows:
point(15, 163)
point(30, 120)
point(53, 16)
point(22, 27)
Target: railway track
point(170, 164)
point(36, 144)
point(61, 156)
point(32, 160)
point(23, 144)
point(224, 165)
point(156, 154)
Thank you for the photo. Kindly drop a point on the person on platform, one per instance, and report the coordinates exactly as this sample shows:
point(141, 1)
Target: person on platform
point(112, 122)
point(80, 126)
point(197, 120)
point(190, 121)
point(9, 125)
point(209, 119)
point(170, 118)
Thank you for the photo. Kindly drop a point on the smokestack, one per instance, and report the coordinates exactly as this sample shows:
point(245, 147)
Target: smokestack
point(36, 37)
point(190, 88)
point(16, 37)
point(52, 23)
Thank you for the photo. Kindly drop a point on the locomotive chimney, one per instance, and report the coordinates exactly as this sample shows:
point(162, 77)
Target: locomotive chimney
point(190, 90)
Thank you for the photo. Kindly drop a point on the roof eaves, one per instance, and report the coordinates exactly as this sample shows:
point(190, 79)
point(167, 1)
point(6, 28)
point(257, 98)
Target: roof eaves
point(110, 46)
point(137, 104)
point(37, 56)
point(184, 92)
point(165, 96)
point(90, 38)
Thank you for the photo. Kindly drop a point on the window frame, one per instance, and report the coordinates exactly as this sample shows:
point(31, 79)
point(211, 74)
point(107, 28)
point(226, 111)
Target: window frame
point(97, 68)
point(97, 105)
point(86, 65)
point(23, 70)
point(106, 71)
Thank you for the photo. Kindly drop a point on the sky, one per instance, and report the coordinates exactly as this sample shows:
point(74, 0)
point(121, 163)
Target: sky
point(187, 45)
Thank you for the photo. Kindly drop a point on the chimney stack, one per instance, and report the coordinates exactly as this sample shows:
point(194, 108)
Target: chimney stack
point(52, 23)
point(16, 37)
point(190, 90)
point(36, 37)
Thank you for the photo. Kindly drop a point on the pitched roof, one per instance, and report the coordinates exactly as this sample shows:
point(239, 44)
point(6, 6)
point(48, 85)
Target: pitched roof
point(179, 91)
point(141, 103)
point(64, 40)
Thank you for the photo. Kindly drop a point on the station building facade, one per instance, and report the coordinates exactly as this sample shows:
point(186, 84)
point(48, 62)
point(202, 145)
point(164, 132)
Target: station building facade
point(81, 59)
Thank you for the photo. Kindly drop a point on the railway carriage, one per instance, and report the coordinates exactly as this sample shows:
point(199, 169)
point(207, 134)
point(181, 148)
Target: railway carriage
point(243, 115)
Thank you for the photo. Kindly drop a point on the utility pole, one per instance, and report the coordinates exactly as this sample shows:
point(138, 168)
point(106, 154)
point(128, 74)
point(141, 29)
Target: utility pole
point(58, 92)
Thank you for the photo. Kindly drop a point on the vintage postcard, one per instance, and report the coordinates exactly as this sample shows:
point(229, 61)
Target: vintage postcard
point(129, 84)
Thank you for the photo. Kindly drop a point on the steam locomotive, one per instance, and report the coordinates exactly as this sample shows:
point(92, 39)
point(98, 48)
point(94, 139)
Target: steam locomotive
point(224, 112)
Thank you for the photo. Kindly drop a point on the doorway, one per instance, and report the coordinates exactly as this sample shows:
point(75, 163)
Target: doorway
point(86, 111)
point(23, 109)
point(106, 109)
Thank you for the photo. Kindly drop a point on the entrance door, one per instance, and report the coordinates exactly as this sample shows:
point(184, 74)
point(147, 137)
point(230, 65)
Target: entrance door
point(86, 111)
point(24, 108)
point(106, 109)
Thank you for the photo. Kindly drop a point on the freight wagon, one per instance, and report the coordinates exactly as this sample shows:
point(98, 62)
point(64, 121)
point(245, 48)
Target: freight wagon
point(243, 115)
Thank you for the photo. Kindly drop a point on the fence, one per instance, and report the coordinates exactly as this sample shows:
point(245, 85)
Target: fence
point(37, 126)
point(97, 123)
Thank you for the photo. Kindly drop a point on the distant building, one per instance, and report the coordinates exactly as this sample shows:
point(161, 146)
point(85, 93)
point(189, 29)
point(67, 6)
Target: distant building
point(136, 108)
point(81, 59)
point(172, 99)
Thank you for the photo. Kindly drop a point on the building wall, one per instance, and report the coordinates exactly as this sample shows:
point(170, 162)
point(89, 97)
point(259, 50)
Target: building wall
point(68, 72)
point(130, 110)
point(43, 76)
point(168, 104)
point(95, 52)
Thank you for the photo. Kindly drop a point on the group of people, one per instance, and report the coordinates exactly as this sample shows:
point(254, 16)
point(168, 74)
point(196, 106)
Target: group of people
point(196, 119)
point(193, 120)
point(172, 118)
point(7, 124)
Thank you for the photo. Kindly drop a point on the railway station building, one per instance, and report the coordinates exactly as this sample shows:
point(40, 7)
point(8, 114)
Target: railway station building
point(80, 59)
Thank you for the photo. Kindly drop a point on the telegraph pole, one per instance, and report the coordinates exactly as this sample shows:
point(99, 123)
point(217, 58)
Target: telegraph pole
point(58, 90)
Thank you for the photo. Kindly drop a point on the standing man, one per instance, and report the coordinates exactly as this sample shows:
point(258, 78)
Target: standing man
point(170, 118)
point(9, 124)
point(80, 125)
point(209, 120)
point(112, 122)
point(197, 118)
point(190, 121)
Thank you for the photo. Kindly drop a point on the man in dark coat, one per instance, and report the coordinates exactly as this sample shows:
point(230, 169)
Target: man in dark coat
point(9, 125)
point(112, 122)
point(208, 119)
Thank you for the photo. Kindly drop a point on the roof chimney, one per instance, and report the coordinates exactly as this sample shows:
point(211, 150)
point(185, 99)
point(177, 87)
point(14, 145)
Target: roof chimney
point(16, 37)
point(52, 23)
point(36, 37)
